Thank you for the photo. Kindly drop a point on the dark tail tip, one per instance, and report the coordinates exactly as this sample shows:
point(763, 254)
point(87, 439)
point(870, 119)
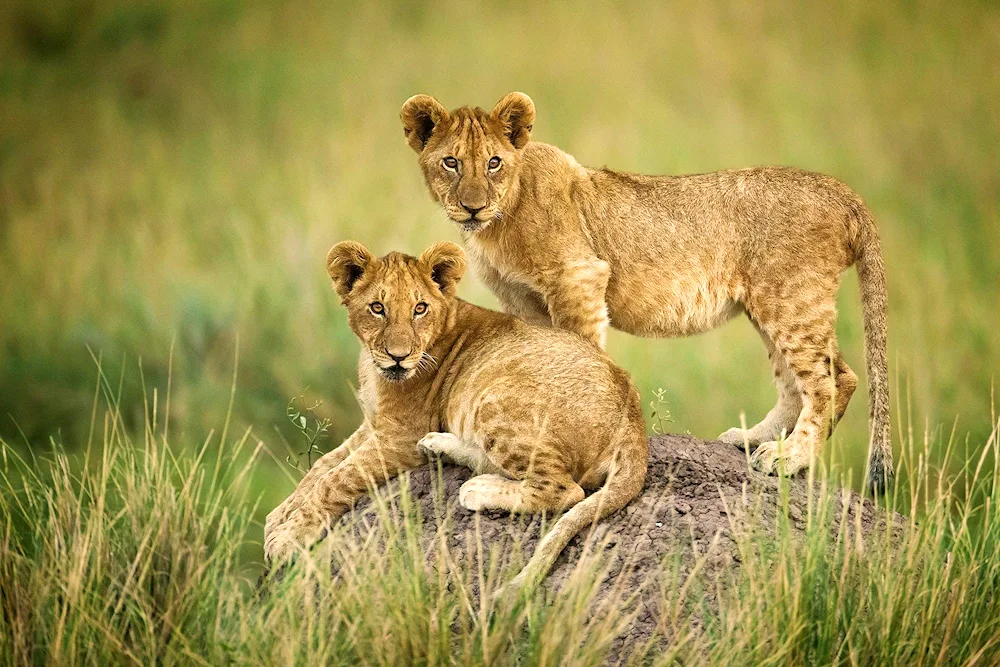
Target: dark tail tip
point(880, 476)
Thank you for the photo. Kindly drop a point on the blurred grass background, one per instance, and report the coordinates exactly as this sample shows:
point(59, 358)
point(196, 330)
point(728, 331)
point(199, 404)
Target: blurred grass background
point(173, 173)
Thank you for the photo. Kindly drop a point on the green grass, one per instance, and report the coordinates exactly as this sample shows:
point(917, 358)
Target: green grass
point(172, 174)
point(135, 551)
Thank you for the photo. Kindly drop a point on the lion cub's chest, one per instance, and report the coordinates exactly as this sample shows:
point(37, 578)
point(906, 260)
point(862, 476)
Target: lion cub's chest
point(514, 287)
point(492, 264)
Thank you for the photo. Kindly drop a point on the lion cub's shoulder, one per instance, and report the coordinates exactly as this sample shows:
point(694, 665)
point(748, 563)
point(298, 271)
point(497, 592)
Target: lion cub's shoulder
point(545, 160)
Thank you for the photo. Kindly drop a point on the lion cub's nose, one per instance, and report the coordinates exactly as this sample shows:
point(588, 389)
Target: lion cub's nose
point(473, 210)
point(397, 357)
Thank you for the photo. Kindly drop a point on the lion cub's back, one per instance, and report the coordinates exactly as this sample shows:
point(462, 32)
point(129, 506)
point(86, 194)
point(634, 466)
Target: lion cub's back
point(540, 373)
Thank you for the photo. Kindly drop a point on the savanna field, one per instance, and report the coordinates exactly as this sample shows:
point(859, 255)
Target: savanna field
point(172, 175)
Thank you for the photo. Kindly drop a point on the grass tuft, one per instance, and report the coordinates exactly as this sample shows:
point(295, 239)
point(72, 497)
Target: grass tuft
point(140, 550)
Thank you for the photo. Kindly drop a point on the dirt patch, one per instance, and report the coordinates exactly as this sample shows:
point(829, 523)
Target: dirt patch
point(696, 493)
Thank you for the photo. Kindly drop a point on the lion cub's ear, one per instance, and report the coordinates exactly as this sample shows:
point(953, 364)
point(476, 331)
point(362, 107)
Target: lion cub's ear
point(446, 262)
point(420, 115)
point(346, 262)
point(517, 113)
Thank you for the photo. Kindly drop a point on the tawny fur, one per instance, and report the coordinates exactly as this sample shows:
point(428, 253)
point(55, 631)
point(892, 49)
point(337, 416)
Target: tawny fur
point(526, 407)
point(584, 249)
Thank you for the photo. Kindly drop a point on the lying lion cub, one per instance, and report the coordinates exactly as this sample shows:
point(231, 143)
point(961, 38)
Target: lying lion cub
point(583, 248)
point(539, 414)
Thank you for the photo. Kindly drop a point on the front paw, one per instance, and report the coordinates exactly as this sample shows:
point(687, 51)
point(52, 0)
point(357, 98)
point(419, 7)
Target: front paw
point(277, 516)
point(279, 546)
point(737, 437)
point(289, 538)
point(436, 444)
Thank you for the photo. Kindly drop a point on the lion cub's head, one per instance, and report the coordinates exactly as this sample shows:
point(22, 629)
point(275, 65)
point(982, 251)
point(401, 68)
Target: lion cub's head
point(397, 305)
point(470, 158)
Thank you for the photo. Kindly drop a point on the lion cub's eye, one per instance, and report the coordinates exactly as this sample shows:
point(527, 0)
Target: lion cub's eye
point(494, 163)
point(420, 308)
point(450, 163)
point(376, 308)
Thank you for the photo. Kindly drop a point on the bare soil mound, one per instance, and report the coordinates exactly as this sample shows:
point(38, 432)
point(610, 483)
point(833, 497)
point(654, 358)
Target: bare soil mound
point(696, 493)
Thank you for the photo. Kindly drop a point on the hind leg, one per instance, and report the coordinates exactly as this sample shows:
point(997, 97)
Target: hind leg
point(534, 494)
point(847, 382)
point(529, 465)
point(780, 421)
point(805, 338)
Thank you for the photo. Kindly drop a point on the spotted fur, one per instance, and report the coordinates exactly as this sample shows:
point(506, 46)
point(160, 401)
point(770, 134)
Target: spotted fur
point(584, 249)
point(526, 407)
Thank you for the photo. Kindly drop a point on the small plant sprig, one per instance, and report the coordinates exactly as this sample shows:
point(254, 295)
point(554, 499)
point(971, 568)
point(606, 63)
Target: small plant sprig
point(660, 411)
point(300, 419)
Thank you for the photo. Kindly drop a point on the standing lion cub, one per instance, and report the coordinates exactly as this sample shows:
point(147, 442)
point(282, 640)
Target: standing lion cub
point(583, 249)
point(539, 414)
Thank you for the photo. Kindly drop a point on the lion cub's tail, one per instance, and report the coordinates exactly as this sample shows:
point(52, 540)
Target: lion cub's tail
point(871, 279)
point(625, 479)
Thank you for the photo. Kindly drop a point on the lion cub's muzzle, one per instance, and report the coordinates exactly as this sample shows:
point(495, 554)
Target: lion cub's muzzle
point(473, 222)
point(394, 367)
